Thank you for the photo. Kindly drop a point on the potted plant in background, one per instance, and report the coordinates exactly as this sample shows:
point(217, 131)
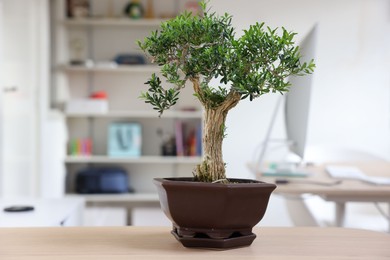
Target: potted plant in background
point(210, 210)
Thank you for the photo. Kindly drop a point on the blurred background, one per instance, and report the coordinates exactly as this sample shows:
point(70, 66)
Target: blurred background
point(71, 74)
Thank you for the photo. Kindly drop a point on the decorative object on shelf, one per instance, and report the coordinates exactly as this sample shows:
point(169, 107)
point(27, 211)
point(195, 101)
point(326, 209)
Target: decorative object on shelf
point(168, 143)
point(124, 140)
point(130, 59)
point(192, 7)
point(99, 95)
point(149, 13)
point(88, 63)
point(134, 9)
point(77, 8)
point(97, 103)
point(110, 9)
point(77, 48)
point(257, 63)
point(102, 180)
point(168, 147)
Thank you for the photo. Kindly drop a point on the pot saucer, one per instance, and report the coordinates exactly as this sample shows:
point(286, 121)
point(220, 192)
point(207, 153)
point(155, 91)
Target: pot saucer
point(227, 243)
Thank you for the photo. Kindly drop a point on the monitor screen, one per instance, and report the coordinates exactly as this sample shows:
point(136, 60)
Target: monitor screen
point(297, 102)
point(297, 106)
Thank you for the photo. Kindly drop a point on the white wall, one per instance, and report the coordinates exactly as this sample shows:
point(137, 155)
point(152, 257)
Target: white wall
point(350, 99)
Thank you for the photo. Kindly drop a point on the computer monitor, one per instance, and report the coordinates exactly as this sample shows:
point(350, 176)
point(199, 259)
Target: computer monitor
point(297, 107)
point(297, 100)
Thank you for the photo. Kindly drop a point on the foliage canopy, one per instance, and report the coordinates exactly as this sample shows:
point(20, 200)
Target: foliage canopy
point(200, 48)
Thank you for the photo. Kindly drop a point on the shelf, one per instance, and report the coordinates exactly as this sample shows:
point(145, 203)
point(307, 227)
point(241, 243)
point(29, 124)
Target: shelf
point(118, 68)
point(136, 160)
point(139, 114)
point(113, 22)
point(103, 73)
point(124, 197)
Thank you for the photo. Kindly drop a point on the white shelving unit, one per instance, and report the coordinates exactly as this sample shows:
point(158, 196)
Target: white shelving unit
point(101, 39)
point(111, 69)
point(139, 160)
point(138, 114)
point(98, 22)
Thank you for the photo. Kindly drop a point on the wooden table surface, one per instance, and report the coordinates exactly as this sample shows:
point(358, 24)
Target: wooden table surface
point(113, 243)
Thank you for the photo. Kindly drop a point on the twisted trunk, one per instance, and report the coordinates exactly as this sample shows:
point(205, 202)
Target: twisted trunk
point(212, 167)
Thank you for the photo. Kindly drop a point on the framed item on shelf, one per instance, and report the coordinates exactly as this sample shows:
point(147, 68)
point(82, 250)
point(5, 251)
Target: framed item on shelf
point(124, 140)
point(77, 8)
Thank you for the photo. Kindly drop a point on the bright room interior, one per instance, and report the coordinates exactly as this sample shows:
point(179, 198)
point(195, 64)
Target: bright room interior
point(64, 99)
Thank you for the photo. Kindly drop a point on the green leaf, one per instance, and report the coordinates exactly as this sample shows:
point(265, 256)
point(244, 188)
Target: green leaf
point(191, 47)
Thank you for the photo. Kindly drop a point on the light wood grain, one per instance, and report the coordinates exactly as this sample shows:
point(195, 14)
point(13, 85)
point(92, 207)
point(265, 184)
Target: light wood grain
point(157, 243)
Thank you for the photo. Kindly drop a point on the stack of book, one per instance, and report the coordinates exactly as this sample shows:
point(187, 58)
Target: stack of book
point(80, 146)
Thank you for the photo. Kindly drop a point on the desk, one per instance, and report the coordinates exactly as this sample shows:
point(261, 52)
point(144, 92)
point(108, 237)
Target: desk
point(73, 243)
point(347, 191)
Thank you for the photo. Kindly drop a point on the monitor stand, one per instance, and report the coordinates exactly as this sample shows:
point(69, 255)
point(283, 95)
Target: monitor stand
point(283, 169)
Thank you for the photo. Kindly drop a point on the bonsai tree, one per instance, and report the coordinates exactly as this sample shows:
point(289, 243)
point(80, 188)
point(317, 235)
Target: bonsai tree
point(197, 49)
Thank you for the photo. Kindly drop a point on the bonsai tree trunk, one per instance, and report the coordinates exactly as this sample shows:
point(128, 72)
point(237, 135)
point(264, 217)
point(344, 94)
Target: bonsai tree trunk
point(212, 167)
point(213, 133)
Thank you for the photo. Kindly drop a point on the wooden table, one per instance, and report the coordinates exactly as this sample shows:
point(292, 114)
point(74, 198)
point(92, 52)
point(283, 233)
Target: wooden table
point(347, 191)
point(87, 243)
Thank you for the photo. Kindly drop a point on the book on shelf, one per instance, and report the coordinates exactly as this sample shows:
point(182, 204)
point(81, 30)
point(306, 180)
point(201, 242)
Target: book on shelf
point(199, 136)
point(179, 137)
point(188, 137)
point(80, 146)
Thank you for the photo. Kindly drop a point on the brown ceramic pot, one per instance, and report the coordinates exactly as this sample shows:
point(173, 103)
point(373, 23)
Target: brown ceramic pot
point(214, 215)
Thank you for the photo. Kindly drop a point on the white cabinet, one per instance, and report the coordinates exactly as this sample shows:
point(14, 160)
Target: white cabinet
point(45, 213)
point(100, 40)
